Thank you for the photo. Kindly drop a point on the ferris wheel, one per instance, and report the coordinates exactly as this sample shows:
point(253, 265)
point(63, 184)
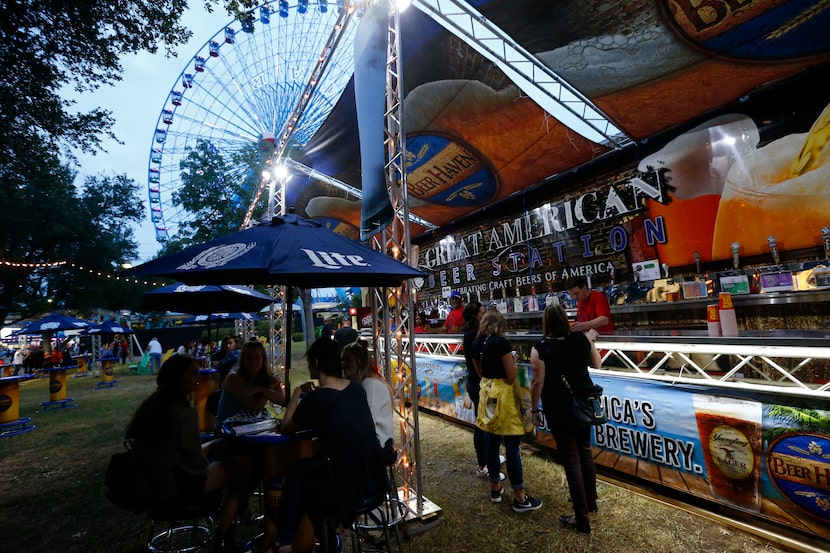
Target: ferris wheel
point(272, 76)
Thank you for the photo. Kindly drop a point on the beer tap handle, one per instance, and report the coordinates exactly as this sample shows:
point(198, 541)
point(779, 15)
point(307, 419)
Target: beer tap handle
point(736, 255)
point(773, 246)
point(697, 262)
point(825, 235)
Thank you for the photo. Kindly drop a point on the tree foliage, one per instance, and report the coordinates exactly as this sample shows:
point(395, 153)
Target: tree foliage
point(216, 191)
point(49, 48)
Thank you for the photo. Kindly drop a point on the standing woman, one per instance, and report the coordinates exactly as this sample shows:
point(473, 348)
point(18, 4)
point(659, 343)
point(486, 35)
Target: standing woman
point(569, 354)
point(472, 314)
point(499, 411)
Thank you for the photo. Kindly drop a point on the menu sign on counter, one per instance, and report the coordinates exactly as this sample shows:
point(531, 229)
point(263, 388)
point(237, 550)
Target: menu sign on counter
point(735, 284)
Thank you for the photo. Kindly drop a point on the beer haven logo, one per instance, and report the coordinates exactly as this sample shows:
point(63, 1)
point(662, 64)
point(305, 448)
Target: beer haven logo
point(751, 29)
point(799, 466)
point(443, 171)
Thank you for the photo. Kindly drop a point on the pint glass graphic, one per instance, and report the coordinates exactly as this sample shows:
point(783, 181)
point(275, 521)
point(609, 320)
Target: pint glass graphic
point(730, 436)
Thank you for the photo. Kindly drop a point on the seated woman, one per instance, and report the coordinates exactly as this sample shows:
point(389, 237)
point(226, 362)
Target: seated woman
point(348, 468)
point(249, 385)
point(357, 367)
point(165, 432)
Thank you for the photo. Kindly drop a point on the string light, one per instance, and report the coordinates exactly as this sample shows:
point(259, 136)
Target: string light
point(96, 272)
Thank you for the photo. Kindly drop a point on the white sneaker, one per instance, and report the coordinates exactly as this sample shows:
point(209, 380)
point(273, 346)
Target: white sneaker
point(502, 459)
point(484, 473)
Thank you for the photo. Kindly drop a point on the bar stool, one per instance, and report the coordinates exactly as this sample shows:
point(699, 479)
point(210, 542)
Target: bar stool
point(183, 527)
point(378, 523)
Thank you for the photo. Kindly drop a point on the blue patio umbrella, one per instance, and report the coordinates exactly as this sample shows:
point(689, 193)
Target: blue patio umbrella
point(290, 251)
point(213, 317)
point(108, 327)
point(51, 323)
point(205, 299)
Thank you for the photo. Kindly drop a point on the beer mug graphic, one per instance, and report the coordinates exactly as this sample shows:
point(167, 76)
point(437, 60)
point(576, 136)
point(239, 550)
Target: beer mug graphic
point(730, 436)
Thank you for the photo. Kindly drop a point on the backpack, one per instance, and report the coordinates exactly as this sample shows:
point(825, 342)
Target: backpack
point(126, 480)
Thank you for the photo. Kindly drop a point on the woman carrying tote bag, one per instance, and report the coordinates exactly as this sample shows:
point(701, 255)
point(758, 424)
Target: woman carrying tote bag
point(562, 353)
point(499, 411)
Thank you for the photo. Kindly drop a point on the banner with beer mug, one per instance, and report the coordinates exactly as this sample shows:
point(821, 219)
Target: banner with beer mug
point(756, 452)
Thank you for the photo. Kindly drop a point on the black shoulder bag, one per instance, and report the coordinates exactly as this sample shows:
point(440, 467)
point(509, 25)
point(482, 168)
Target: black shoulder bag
point(588, 408)
point(126, 480)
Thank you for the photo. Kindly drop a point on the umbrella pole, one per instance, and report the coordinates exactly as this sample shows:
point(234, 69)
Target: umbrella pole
point(288, 338)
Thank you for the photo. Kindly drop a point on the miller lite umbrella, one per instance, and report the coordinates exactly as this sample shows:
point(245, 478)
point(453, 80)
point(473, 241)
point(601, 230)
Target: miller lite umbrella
point(213, 317)
point(204, 299)
point(290, 251)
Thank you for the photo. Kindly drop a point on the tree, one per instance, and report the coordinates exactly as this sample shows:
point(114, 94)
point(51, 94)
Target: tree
point(215, 192)
point(87, 231)
point(50, 47)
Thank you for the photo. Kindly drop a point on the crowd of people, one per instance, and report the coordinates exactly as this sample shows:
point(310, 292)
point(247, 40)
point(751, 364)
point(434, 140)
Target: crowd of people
point(349, 407)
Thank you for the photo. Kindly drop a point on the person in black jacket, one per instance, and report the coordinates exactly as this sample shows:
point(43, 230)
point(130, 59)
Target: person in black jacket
point(562, 352)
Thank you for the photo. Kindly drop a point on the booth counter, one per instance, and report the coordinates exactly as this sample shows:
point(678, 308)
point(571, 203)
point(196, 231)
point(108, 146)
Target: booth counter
point(741, 423)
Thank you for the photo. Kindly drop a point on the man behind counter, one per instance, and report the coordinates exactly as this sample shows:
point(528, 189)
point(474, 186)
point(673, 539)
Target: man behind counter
point(455, 318)
point(592, 309)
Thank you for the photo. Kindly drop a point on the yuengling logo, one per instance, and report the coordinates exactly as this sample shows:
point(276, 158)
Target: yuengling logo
point(334, 260)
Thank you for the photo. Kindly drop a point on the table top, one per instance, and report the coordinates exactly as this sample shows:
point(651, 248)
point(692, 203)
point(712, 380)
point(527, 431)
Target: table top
point(8, 379)
point(273, 436)
point(59, 368)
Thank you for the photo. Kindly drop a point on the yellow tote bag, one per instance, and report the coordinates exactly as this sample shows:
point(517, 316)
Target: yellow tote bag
point(498, 409)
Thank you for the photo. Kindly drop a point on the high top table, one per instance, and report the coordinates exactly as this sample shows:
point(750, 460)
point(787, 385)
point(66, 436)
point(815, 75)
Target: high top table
point(10, 422)
point(107, 373)
point(57, 388)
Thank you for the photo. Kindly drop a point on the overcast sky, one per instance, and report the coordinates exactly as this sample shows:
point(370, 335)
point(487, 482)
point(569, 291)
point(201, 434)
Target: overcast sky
point(136, 103)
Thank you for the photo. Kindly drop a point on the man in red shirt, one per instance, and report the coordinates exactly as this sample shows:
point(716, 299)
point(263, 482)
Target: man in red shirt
point(592, 309)
point(455, 317)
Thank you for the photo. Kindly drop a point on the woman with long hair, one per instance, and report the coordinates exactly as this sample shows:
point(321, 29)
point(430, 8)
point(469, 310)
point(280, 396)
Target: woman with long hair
point(357, 366)
point(347, 467)
point(249, 385)
point(472, 314)
point(562, 352)
point(165, 432)
point(495, 364)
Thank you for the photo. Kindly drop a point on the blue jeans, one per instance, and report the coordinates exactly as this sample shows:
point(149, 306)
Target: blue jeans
point(479, 435)
point(155, 363)
point(513, 459)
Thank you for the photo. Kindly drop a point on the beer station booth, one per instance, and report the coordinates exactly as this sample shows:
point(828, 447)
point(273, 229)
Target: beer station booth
point(716, 377)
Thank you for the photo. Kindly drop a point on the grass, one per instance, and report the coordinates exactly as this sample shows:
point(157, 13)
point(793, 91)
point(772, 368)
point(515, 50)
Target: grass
point(52, 497)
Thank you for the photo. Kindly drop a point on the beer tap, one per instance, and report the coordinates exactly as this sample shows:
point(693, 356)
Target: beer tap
point(736, 255)
point(612, 272)
point(825, 235)
point(773, 247)
point(697, 262)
